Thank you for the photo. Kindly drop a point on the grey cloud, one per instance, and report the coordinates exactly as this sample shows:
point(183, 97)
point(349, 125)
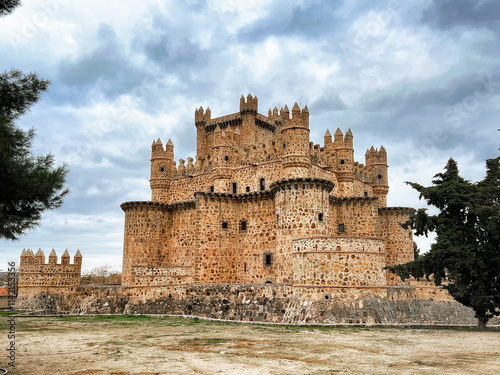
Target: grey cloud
point(106, 69)
point(327, 103)
point(445, 14)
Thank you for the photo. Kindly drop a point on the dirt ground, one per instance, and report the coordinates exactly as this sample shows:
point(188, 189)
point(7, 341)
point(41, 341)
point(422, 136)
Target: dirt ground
point(147, 346)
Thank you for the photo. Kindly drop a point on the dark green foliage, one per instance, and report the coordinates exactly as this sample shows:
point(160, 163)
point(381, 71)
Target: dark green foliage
point(466, 254)
point(18, 92)
point(29, 184)
point(7, 6)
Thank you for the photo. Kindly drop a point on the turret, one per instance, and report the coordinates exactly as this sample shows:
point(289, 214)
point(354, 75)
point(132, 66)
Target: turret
point(221, 156)
point(162, 168)
point(201, 119)
point(376, 161)
point(250, 105)
point(295, 137)
point(65, 257)
point(248, 111)
point(53, 257)
point(343, 146)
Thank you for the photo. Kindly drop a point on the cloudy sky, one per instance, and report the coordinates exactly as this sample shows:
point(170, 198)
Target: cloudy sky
point(419, 77)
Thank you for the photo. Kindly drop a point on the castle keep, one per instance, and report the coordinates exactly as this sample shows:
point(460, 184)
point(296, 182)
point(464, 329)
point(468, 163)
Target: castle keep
point(263, 204)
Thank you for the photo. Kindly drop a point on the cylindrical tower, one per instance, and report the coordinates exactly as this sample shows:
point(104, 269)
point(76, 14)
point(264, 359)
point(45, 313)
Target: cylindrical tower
point(376, 160)
point(344, 148)
point(295, 137)
point(302, 210)
point(162, 168)
point(221, 162)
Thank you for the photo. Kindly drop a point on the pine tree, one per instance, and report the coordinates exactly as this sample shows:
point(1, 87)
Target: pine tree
point(466, 254)
point(29, 184)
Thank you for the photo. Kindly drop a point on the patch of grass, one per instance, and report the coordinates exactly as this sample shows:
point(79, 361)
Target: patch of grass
point(8, 312)
point(203, 342)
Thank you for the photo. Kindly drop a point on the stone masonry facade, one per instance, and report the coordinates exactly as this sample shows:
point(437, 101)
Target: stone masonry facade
point(263, 204)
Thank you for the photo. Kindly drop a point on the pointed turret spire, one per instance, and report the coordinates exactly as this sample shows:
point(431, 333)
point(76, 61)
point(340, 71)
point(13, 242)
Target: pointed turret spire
point(327, 133)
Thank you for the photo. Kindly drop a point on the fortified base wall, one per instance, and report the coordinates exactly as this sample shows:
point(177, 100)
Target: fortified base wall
point(398, 305)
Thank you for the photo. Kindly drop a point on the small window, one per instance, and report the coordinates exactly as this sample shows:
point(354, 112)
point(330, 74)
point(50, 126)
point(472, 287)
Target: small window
point(224, 225)
point(277, 218)
point(366, 194)
point(320, 217)
point(284, 145)
point(226, 158)
point(212, 189)
point(262, 184)
point(268, 259)
point(341, 228)
point(245, 267)
point(235, 187)
point(342, 161)
point(379, 176)
point(248, 189)
point(243, 226)
point(162, 169)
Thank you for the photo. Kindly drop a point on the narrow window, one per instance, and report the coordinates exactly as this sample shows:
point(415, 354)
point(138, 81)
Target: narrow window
point(268, 259)
point(277, 218)
point(284, 145)
point(342, 161)
point(379, 176)
point(320, 217)
point(248, 189)
point(366, 194)
point(243, 226)
point(245, 266)
point(262, 184)
point(341, 228)
point(224, 225)
point(235, 187)
point(226, 158)
point(212, 189)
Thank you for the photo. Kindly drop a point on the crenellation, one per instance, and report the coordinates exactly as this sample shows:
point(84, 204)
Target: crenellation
point(37, 276)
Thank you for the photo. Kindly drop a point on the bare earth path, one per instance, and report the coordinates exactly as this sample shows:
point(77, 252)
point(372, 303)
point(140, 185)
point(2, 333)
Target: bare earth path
point(141, 345)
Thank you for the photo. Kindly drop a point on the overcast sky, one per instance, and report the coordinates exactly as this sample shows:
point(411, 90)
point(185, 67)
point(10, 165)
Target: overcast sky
point(419, 77)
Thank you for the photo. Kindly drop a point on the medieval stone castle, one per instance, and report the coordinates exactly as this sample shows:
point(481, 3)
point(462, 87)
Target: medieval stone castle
point(264, 226)
point(263, 204)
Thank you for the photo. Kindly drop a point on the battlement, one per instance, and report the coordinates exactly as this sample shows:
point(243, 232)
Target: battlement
point(250, 105)
point(35, 273)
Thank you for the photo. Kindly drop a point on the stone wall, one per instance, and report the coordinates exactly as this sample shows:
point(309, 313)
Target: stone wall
point(257, 303)
point(337, 261)
point(34, 273)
